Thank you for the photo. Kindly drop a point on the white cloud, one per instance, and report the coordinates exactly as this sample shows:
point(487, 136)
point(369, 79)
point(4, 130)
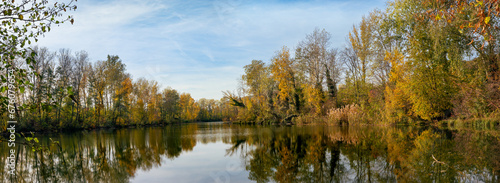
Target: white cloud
point(199, 46)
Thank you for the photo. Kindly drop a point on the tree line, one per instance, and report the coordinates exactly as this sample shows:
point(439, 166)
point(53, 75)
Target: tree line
point(413, 61)
point(67, 91)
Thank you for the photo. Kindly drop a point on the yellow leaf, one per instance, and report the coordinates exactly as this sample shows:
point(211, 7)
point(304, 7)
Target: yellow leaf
point(486, 20)
point(20, 16)
point(479, 3)
point(438, 17)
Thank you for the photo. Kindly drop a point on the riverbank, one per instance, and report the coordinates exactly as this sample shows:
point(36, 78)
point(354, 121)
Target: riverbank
point(63, 130)
point(269, 153)
point(341, 118)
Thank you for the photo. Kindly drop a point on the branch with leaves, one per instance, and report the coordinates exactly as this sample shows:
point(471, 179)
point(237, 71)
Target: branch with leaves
point(21, 23)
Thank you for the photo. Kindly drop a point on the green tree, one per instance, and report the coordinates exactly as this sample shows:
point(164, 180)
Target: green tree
point(22, 22)
point(170, 107)
point(122, 103)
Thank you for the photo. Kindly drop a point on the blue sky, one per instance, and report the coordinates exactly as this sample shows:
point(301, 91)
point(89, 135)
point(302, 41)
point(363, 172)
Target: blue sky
point(200, 46)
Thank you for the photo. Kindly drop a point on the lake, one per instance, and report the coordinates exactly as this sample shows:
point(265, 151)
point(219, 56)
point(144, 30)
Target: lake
point(222, 152)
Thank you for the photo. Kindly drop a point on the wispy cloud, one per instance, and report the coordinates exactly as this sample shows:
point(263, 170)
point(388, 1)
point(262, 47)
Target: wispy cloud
point(200, 46)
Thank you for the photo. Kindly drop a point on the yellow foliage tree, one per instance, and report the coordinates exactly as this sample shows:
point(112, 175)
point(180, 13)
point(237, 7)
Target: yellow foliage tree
point(122, 101)
point(283, 73)
point(189, 108)
point(396, 97)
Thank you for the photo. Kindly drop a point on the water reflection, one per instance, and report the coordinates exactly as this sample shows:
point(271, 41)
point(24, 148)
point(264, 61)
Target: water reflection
point(217, 152)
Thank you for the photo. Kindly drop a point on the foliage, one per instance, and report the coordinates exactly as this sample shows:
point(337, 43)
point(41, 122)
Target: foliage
point(349, 114)
point(22, 23)
point(73, 93)
point(397, 101)
point(283, 73)
point(414, 60)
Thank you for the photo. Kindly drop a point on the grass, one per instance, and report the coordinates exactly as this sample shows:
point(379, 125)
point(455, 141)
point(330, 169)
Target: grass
point(349, 114)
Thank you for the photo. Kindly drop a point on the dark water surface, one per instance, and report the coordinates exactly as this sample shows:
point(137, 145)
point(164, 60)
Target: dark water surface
point(218, 152)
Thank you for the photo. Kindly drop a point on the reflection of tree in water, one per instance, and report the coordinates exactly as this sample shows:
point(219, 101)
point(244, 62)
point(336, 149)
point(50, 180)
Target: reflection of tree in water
point(371, 154)
point(290, 155)
point(100, 156)
point(271, 154)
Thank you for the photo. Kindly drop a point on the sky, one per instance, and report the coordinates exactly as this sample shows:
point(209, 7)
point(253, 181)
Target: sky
point(200, 46)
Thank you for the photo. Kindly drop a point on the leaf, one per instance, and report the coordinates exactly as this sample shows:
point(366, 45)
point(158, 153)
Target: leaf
point(479, 3)
point(438, 17)
point(20, 16)
point(487, 20)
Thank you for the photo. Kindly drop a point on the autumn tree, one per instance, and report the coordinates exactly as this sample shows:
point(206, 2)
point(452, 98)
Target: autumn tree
point(357, 57)
point(64, 71)
point(97, 87)
point(383, 40)
point(397, 102)
point(477, 23)
point(434, 51)
point(141, 99)
point(189, 108)
point(79, 82)
point(360, 39)
point(260, 88)
point(122, 102)
point(284, 74)
point(170, 106)
point(22, 22)
point(317, 63)
point(255, 77)
point(42, 78)
point(332, 73)
point(353, 87)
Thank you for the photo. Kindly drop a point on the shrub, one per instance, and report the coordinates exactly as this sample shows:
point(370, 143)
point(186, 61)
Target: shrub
point(352, 114)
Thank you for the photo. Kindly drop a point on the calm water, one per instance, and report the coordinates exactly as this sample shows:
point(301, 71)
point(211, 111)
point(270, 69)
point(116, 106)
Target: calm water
point(217, 152)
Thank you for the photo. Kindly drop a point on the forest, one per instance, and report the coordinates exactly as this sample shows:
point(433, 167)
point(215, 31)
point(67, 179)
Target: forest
point(414, 61)
point(69, 92)
point(48, 90)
